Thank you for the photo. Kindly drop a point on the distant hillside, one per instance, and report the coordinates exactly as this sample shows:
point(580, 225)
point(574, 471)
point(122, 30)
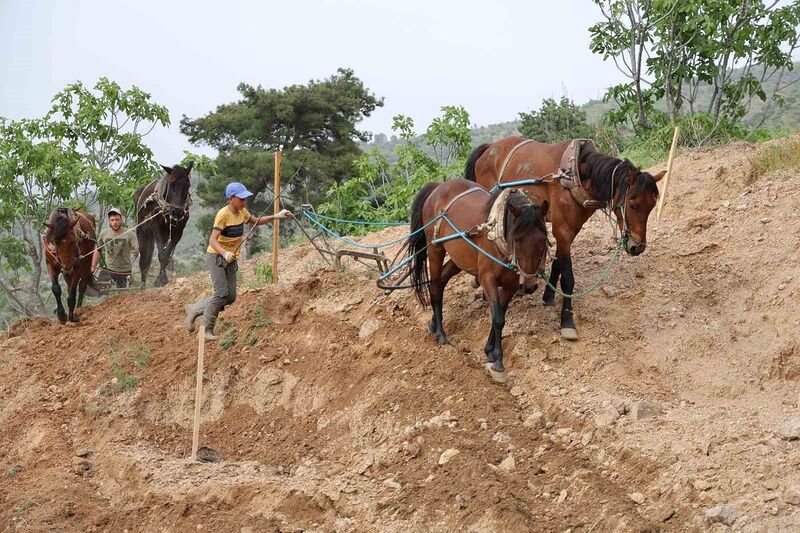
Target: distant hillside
point(787, 116)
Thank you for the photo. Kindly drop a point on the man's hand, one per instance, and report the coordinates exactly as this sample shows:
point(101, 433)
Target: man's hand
point(228, 256)
point(284, 214)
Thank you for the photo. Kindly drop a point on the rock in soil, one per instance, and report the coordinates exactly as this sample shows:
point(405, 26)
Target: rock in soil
point(721, 514)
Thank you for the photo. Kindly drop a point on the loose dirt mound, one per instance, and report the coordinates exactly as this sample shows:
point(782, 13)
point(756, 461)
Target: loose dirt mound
point(335, 410)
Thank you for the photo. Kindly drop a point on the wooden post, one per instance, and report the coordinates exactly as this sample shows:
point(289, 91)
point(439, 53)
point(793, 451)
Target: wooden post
point(276, 223)
point(198, 390)
point(669, 171)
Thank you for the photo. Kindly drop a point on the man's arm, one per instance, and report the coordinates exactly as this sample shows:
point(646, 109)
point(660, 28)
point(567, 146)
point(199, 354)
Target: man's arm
point(284, 214)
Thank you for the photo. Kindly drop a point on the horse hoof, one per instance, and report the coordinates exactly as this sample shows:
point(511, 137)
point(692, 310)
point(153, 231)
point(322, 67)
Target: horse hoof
point(432, 327)
point(571, 334)
point(475, 283)
point(443, 340)
point(75, 319)
point(499, 377)
point(548, 303)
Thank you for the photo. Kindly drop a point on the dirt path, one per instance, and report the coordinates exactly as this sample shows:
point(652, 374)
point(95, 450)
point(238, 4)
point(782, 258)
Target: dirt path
point(335, 411)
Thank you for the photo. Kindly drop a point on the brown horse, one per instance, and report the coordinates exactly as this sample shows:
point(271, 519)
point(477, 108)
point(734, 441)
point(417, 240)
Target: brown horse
point(605, 182)
point(505, 241)
point(69, 243)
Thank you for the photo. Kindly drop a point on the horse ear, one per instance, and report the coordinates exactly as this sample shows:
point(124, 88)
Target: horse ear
point(515, 209)
point(189, 166)
point(168, 170)
point(543, 208)
point(72, 223)
point(50, 226)
point(659, 175)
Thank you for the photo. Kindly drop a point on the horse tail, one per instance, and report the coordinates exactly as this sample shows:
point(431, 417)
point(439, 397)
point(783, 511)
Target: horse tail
point(418, 245)
point(469, 170)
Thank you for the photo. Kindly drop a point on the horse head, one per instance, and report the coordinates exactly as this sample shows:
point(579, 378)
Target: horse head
point(527, 237)
point(175, 190)
point(636, 196)
point(62, 241)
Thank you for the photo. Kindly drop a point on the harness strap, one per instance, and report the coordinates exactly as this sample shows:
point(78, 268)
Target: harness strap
point(450, 204)
point(508, 159)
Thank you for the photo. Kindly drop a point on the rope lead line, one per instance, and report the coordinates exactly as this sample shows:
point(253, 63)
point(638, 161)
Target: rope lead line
point(313, 218)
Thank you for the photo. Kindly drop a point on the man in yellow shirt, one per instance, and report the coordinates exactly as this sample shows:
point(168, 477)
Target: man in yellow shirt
point(223, 252)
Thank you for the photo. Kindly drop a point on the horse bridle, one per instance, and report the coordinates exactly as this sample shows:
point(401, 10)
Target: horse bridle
point(513, 255)
point(622, 206)
point(75, 258)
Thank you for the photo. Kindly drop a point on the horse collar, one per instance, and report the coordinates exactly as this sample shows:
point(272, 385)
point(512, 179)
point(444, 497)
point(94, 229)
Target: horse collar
point(570, 176)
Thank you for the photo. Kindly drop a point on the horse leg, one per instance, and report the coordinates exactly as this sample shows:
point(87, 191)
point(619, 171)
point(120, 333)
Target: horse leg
point(82, 289)
point(436, 291)
point(549, 296)
point(164, 248)
point(72, 285)
point(145, 255)
point(499, 309)
point(56, 287)
point(568, 329)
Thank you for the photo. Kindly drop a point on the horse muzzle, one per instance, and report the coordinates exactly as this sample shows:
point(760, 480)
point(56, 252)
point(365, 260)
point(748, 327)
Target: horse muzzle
point(635, 248)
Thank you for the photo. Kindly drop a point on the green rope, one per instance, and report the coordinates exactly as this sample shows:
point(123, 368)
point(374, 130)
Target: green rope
point(603, 276)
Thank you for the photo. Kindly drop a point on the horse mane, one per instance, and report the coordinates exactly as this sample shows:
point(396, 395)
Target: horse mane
point(601, 168)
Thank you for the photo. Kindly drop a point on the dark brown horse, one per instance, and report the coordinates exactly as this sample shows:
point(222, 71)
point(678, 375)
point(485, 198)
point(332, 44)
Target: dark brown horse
point(162, 211)
point(69, 243)
point(609, 183)
point(506, 240)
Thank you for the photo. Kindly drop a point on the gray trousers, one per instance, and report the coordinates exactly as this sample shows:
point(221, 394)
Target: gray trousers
point(223, 280)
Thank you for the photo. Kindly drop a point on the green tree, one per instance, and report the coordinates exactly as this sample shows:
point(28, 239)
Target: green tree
point(36, 174)
point(674, 49)
point(314, 124)
point(382, 192)
point(104, 127)
point(87, 151)
point(555, 122)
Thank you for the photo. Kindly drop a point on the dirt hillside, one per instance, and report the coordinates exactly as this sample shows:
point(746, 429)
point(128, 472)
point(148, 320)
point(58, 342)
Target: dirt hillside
point(335, 410)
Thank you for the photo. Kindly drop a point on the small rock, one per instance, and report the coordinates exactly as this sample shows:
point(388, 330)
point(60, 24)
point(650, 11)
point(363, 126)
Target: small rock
point(792, 496)
point(501, 437)
point(637, 497)
point(790, 430)
point(535, 420)
point(701, 485)
point(462, 500)
point(368, 328)
point(392, 484)
point(607, 417)
point(721, 514)
point(508, 464)
point(645, 409)
point(562, 496)
point(516, 390)
point(665, 514)
point(587, 438)
point(608, 291)
point(771, 484)
point(447, 455)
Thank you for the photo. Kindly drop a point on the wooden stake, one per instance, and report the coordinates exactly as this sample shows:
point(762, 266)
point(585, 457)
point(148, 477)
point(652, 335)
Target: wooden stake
point(669, 171)
point(276, 223)
point(198, 390)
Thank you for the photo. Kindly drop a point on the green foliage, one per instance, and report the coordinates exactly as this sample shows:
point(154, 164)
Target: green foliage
point(263, 273)
point(556, 122)
point(673, 49)
point(314, 125)
point(381, 191)
point(126, 356)
point(227, 339)
point(260, 319)
point(779, 156)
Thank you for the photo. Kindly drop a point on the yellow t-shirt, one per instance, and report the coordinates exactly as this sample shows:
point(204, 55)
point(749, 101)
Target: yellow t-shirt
point(231, 227)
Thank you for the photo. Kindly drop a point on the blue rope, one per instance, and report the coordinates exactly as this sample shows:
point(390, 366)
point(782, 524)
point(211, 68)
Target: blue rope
point(335, 235)
point(359, 222)
point(481, 250)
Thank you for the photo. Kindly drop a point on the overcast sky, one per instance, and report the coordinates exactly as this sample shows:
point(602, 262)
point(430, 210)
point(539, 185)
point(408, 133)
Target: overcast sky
point(495, 58)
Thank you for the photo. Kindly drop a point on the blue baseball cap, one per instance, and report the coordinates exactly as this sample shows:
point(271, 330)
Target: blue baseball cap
point(238, 190)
